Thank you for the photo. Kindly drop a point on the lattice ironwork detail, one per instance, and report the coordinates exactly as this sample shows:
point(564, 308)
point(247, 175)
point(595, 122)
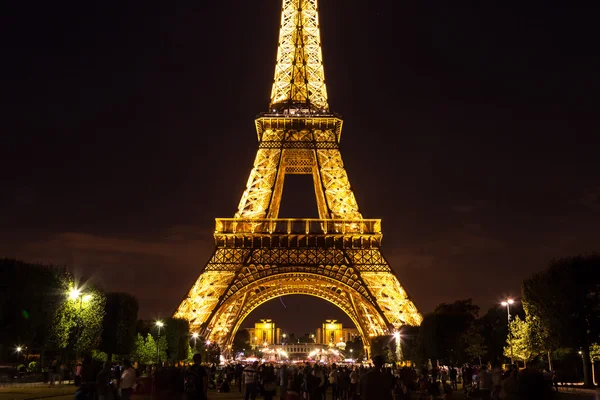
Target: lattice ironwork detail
point(259, 190)
point(392, 298)
point(228, 317)
point(340, 198)
point(254, 272)
point(299, 74)
point(284, 256)
point(204, 296)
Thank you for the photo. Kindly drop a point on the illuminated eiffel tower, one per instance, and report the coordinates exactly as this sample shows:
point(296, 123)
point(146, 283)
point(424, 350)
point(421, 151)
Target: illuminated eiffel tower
point(259, 257)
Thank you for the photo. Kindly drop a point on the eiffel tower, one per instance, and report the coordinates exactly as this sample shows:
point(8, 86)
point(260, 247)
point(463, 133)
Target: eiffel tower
point(259, 256)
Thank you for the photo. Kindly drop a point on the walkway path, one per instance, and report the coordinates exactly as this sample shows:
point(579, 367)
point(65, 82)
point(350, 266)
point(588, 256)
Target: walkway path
point(66, 392)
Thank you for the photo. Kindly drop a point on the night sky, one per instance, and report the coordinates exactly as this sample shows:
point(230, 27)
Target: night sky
point(470, 128)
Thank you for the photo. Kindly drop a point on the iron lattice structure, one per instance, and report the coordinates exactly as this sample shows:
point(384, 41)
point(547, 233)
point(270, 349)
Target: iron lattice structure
point(259, 257)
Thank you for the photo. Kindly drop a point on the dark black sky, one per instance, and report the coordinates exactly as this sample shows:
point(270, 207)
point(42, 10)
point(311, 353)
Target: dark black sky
point(471, 129)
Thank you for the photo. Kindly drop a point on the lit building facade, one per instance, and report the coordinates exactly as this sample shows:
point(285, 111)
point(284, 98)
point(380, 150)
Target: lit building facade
point(264, 333)
point(333, 332)
point(296, 352)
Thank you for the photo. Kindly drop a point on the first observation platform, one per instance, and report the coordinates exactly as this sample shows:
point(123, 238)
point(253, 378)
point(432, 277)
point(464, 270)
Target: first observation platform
point(294, 232)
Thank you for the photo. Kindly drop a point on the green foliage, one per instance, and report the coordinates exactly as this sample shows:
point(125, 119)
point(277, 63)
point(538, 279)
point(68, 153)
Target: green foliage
point(29, 297)
point(383, 346)
point(98, 355)
point(78, 322)
point(474, 343)
point(139, 352)
point(214, 353)
point(441, 331)
point(163, 348)
point(357, 348)
point(521, 339)
point(177, 336)
point(564, 300)
point(564, 304)
point(32, 367)
point(120, 319)
point(494, 328)
point(537, 290)
point(190, 355)
point(595, 352)
point(145, 351)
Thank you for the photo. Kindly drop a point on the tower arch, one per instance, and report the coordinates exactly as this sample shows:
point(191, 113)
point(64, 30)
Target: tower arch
point(230, 315)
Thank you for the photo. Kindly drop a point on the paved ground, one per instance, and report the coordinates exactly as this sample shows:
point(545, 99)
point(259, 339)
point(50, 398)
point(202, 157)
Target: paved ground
point(64, 392)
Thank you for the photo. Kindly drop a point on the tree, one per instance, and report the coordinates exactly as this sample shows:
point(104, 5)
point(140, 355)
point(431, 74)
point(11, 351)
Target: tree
point(144, 351)
point(77, 322)
point(190, 356)
point(495, 329)
point(564, 303)
point(177, 336)
point(520, 344)
point(355, 349)
point(162, 346)
point(118, 327)
point(30, 294)
point(383, 346)
point(595, 352)
point(212, 353)
point(441, 331)
point(535, 289)
point(474, 343)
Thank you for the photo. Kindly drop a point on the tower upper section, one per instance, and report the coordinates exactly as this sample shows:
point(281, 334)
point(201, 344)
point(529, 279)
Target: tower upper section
point(299, 82)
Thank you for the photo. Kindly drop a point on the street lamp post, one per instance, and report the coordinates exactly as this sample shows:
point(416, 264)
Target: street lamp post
point(195, 336)
point(351, 358)
point(398, 347)
point(159, 324)
point(507, 304)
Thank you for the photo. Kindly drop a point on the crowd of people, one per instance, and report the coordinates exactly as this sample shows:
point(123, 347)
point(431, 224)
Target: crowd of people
point(314, 381)
point(487, 382)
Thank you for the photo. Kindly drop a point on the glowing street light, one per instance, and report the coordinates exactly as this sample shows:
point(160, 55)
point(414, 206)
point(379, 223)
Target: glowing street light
point(195, 336)
point(506, 303)
point(19, 349)
point(74, 294)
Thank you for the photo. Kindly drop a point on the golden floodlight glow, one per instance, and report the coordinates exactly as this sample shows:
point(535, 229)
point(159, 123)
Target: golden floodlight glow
point(74, 294)
point(259, 256)
point(299, 74)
